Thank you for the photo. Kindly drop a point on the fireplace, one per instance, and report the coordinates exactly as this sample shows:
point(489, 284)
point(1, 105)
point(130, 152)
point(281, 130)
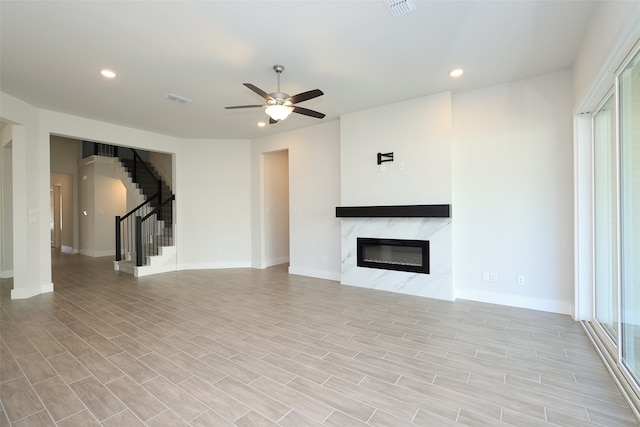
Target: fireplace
point(394, 254)
point(427, 271)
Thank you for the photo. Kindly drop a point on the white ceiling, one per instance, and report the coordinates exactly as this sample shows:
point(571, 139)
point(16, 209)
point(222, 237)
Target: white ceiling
point(354, 51)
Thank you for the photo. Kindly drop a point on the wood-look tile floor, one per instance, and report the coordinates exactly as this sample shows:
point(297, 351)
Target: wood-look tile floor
point(263, 348)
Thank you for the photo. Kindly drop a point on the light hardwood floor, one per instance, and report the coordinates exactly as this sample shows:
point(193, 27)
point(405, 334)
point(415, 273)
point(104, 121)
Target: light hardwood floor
point(249, 347)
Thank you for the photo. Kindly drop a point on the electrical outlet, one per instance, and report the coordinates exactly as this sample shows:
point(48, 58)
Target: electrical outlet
point(485, 276)
point(520, 280)
point(494, 277)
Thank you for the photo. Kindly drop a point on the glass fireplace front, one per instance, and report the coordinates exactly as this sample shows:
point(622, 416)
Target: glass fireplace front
point(394, 254)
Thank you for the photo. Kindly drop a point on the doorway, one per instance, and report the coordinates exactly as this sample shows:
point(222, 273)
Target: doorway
point(62, 218)
point(276, 207)
point(55, 217)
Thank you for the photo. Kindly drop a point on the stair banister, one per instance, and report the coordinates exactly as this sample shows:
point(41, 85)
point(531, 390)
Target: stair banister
point(121, 219)
point(118, 239)
point(138, 241)
point(141, 236)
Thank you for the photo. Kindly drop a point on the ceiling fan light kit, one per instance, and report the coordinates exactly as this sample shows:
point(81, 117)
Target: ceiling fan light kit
point(278, 112)
point(279, 105)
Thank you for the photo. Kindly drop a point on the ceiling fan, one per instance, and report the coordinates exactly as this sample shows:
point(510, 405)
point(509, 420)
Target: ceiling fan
point(279, 105)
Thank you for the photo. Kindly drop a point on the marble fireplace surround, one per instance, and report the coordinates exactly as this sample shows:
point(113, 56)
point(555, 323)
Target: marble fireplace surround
point(416, 222)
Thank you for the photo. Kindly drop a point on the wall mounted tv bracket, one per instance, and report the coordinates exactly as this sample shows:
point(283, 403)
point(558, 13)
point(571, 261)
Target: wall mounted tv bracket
point(385, 157)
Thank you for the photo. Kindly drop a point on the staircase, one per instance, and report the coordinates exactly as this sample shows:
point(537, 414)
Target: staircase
point(146, 181)
point(144, 237)
point(159, 257)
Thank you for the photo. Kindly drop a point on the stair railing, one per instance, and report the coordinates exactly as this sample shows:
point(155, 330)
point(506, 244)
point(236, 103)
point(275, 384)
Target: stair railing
point(126, 229)
point(142, 230)
point(150, 233)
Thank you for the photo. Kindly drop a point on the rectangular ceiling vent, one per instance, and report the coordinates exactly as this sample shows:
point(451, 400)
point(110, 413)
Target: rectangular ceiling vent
point(400, 7)
point(178, 99)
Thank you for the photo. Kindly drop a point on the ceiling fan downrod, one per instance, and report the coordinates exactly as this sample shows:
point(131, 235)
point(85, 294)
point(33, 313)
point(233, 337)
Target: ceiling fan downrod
point(279, 69)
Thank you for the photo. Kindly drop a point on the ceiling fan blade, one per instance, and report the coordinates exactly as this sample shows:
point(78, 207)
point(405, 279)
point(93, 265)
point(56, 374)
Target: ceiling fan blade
point(272, 121)
point(257, 90)
point(305, 96)
point(242, 106)
point(234, 107)
point(307, 112)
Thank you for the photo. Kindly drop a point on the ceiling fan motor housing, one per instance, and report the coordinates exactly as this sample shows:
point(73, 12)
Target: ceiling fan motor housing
point(279, 98)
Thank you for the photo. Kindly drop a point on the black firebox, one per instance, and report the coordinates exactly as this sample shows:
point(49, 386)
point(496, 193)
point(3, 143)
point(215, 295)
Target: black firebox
point(394, 254)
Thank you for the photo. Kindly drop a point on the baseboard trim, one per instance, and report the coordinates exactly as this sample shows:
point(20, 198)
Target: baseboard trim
point(318, 274)
point(214, 265)
point(98, 254)
point(277, 261)
point(22, 293)
point(519, 301)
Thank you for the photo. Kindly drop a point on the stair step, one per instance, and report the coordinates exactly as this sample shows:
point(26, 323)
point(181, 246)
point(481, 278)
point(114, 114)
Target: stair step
point(161, 263)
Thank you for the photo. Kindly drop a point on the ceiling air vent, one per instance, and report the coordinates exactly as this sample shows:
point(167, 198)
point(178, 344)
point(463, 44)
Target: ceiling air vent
point(178, 99)
point(400, 7)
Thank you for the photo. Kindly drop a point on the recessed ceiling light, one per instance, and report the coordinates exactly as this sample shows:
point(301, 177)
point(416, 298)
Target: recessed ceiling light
point(261, 124)
point(108, 73)
point(456, 73)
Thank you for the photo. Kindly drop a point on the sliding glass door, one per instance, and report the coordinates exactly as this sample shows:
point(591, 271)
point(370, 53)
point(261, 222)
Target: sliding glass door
point(616, 196)
point(605, 218)
point(629, 128)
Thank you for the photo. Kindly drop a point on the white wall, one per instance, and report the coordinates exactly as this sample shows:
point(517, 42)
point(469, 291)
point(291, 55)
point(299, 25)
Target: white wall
point(276, 207)
point(30, 178)
point(214, 208)
point(314, 192)
point(6, 203)
point(513, 198)
point(65, 155)
point(102, 197)
point(418, 132)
